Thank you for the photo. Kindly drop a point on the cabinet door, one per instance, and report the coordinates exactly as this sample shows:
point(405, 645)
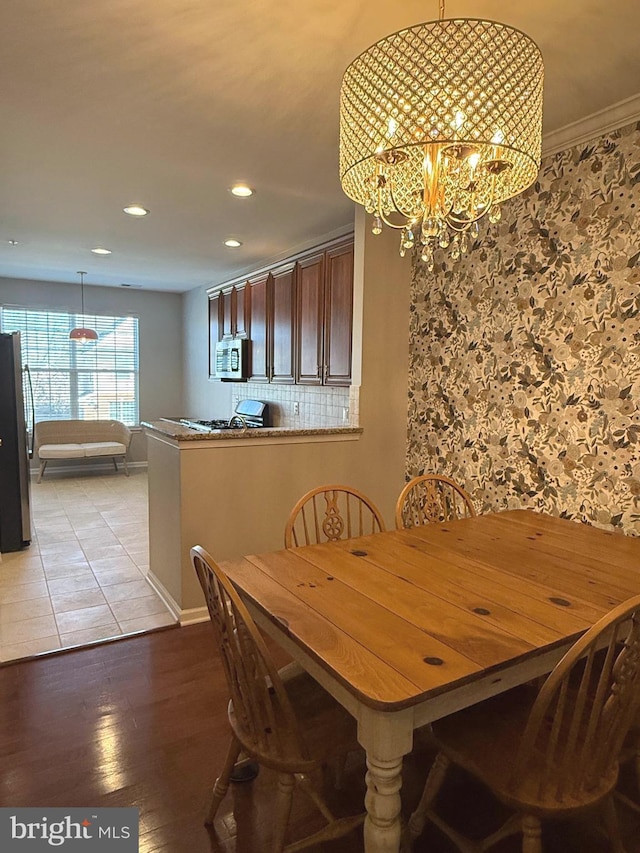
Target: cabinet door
point(215, 329)
point(228, 309)
point(258, 294)
point(241, 319)
point(338, 315)
point(309, 320)
point(283, 315)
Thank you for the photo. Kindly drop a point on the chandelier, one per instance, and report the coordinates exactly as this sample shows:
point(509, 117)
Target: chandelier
point(439, 124)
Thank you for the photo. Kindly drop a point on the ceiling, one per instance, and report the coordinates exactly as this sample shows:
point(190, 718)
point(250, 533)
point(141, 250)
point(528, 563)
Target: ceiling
point(169, 102)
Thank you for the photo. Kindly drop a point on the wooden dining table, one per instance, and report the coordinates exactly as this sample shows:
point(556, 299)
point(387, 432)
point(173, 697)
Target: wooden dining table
point(407, 626)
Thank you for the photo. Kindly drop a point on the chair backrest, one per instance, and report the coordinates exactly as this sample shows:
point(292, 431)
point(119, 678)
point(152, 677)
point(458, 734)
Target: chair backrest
point(330, 513)
point(263, 718)
point(431, 497)
point(584, 710)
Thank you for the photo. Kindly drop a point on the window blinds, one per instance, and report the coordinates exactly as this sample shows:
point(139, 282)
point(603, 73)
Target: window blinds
point(73, 379)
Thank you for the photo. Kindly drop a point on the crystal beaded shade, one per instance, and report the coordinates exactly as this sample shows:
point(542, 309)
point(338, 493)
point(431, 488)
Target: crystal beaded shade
point(441, 122)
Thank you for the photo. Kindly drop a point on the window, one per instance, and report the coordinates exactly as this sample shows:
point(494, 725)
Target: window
point(78, 380)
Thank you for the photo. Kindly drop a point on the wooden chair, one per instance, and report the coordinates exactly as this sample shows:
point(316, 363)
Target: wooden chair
point(555, 753)
point(330, 513)
point(291, 727)
point(431, 497)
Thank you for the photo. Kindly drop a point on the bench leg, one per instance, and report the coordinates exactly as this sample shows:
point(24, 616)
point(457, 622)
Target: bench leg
point(43, 465)
point(115, 464)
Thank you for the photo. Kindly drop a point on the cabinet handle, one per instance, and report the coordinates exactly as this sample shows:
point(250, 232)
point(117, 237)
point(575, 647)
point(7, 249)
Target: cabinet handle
point(319, 371)
point(325, 372)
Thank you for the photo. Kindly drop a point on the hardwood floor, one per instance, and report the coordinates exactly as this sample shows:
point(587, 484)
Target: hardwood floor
point(142, 722)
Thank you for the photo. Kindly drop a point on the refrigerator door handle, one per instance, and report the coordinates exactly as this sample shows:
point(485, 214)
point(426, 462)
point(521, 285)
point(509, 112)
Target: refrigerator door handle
point(27, 373)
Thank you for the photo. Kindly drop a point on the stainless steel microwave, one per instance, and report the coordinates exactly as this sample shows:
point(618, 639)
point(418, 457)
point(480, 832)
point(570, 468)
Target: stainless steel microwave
point(232, 359)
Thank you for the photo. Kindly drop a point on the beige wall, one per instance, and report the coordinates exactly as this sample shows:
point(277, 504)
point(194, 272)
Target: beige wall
point(160, 334)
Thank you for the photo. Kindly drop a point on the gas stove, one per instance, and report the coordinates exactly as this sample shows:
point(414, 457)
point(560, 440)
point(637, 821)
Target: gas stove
point(249, 414)
point(236, 422)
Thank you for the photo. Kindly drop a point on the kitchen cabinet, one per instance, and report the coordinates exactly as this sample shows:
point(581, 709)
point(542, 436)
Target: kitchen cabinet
point(325, 317)
point(309, 320)
point(234, 313)
point(258, 292)
point(338, 315)
point(297, 316)
point(281, 344)
point(215, 328)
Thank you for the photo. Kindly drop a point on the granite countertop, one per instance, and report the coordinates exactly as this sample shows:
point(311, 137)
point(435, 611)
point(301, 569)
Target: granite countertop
point(179, 432)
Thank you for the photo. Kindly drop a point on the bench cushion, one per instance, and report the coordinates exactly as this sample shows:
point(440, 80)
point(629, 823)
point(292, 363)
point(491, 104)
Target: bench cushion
point(61, 451)
point(103, 448)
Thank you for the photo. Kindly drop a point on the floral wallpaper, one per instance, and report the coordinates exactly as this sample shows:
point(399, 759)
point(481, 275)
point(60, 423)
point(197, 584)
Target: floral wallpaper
point(525, 354)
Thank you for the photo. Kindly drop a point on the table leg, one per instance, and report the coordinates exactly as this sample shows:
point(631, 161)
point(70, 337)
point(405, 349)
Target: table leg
point(386, 737)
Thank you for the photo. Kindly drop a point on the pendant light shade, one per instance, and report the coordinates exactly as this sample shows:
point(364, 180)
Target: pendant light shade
point(80, 334)
point(439, 124)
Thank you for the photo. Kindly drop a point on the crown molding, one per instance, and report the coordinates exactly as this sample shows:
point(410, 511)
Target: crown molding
point(592, 126)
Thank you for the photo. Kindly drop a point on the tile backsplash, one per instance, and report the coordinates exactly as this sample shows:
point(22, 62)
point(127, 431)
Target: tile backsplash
point(304, 405)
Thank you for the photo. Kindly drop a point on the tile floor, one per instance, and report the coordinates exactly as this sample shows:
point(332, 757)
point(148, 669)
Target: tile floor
point(83, 577)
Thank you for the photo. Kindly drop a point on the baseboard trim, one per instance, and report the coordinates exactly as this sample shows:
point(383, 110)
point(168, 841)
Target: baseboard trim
point(185, 617)
point(194, 615)
point(160, 589)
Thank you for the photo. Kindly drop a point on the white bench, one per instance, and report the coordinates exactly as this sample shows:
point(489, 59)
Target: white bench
point(80, 440)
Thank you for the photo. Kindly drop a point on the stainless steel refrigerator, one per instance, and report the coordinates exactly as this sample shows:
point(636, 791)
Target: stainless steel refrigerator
point(15, 511)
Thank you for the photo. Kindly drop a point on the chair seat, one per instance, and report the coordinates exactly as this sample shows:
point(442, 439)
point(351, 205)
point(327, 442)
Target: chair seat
point(484, 740)
point(104, 448)
point(61, 451)
point(328, 730)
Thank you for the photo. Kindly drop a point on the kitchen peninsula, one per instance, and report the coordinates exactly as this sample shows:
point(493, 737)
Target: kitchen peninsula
point(230, 491)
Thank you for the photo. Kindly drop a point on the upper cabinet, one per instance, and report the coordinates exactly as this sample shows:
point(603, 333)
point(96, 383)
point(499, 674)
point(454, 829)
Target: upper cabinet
point(310, 320)
point(259, 293)
point(338, 315)
point(298, 318)
point(234, 312)
point(325, 317)
point(282, 324)
point(215, 328)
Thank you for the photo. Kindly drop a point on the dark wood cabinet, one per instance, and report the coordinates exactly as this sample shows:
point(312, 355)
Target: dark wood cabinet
point(215, 328)
point(338, 315)
point(282, 349)
point(297, 316)
point(325, 317)
point(258, 292)
point(309, 320)
point(234, 312)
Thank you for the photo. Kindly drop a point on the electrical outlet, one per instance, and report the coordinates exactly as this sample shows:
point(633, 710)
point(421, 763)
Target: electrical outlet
point(345, 415)
point(236, 399)
point(296, 408)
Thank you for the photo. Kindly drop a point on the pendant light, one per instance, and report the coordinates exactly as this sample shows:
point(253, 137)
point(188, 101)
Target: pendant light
point(80, 334)
point(439, 124)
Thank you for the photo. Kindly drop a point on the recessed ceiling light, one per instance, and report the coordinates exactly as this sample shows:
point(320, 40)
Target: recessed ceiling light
point(100, 251)
point(135, 210)
point(241, 190)
point(232, 244)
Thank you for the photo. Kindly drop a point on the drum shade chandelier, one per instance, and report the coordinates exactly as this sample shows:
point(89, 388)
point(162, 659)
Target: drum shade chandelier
point(439, 124)
point(80, 334)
